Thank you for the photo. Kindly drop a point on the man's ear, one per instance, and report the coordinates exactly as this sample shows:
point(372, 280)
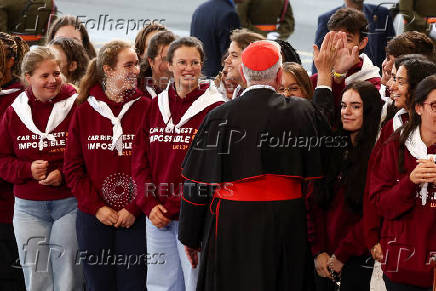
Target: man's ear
point(242, 74)
point(363, 43)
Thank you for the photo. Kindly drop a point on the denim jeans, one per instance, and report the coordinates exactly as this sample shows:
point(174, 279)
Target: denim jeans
point(47, 244)
point(174, 273)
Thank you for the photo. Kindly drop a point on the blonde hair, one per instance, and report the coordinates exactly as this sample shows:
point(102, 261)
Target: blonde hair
point(33, 58)
point(107, 56)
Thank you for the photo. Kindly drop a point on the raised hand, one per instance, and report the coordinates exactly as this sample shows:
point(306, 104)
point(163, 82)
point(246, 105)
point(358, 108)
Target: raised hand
point(345, 59)
point(324, 57)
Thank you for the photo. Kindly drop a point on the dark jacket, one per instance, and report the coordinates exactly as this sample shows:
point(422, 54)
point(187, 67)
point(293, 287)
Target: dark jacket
point(381, 30)
point(212, 22)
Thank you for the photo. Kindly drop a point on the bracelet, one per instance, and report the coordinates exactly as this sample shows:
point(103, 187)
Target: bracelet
point(338, 75)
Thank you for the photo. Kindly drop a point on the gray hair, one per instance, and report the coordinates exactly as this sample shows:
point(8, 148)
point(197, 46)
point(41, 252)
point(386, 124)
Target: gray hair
point(268, 75)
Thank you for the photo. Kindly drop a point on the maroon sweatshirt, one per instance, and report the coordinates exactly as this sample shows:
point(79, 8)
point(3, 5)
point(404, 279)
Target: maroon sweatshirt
point(336, 230)
point(97, 175)
point(158, 155)
point(371, 220)
point(408, 233)
point(19, 148)
point(6, 189)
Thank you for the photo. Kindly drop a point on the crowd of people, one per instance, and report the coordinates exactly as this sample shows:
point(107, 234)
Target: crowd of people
point(126, 169)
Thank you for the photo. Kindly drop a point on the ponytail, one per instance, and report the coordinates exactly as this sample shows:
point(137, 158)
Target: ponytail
point(107, 56)
point(88, 81)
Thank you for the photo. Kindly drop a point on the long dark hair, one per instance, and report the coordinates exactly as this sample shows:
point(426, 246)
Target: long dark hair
point(349, 165)
point(417, 69)
point(424, 88)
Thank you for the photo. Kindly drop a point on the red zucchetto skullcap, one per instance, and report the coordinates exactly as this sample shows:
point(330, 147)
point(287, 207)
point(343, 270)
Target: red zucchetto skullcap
point(260, 55)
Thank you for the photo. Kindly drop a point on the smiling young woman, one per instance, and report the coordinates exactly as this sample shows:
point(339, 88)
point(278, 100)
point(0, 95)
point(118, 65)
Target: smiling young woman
point(98, 170)
point(335, 205)
point(335, 210)
point(402, 188)
point(160, 147)
point(34, 130)
point(240, 38)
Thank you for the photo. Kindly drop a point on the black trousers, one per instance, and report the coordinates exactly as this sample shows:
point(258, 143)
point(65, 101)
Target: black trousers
point(392, 286)
point(355, 276)
point(113, 259)
point(11, 274)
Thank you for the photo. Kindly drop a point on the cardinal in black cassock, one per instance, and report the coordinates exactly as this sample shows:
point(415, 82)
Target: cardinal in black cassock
point(243, 203)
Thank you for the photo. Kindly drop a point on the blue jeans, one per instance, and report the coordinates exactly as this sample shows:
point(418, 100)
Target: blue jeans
point(174, 272)
point(47, 244)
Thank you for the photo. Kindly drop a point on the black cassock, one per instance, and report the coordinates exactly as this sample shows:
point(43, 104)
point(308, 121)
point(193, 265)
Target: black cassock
point(252, 245)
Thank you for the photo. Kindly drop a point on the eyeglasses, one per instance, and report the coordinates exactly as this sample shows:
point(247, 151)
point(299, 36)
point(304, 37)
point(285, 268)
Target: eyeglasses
point(432, 106)
point(290, 91)
point(181, 64)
